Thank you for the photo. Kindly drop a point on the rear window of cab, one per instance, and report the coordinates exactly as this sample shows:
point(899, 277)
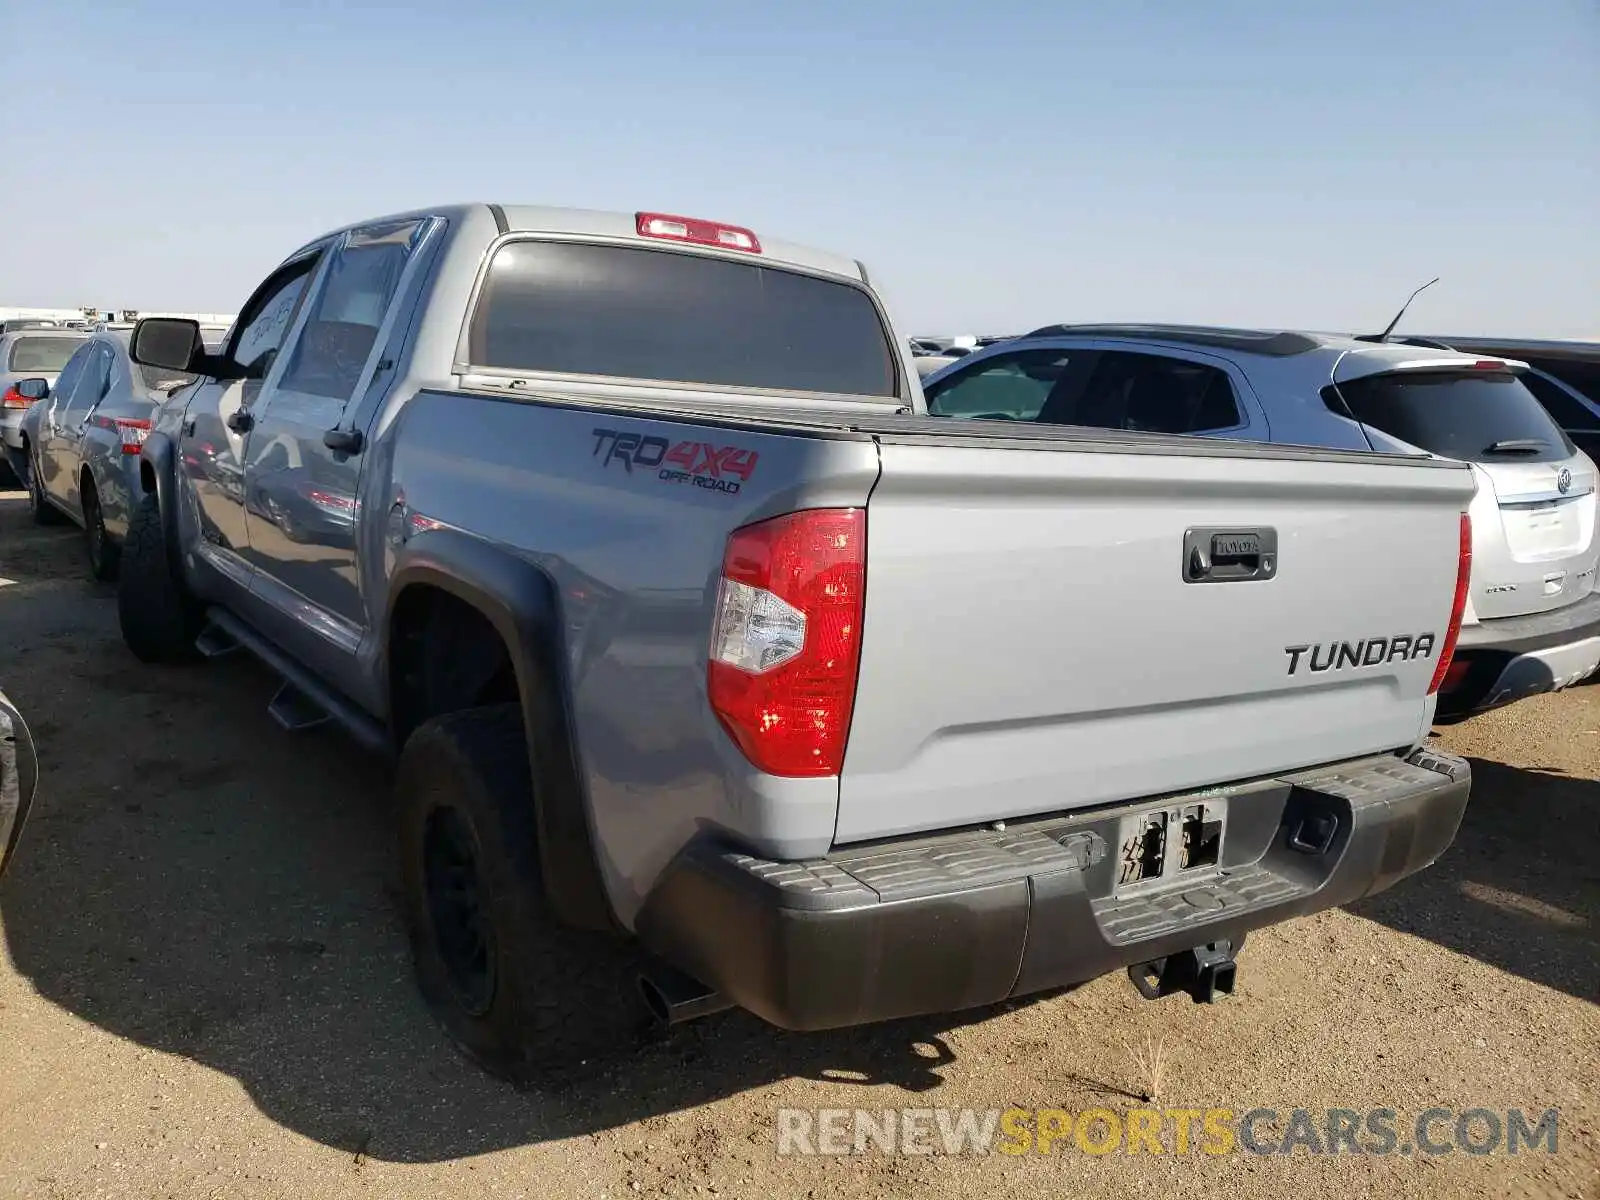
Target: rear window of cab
point(576, 308)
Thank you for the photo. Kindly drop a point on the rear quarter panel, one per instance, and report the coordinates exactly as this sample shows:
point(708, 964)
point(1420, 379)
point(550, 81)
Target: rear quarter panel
point(635, 559)
point(116, 478)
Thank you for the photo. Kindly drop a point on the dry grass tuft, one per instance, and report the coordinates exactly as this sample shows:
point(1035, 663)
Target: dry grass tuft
point(1150, 1060)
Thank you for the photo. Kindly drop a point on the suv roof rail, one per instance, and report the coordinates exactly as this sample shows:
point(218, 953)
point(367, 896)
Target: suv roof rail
point(1408, 340)
point(1279, 344)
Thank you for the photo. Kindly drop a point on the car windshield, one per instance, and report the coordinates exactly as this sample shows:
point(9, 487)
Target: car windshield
point(1476, 416)
point(583, 309)
point(47, 355)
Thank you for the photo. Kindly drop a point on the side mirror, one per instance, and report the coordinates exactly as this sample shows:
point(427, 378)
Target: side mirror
point(171, 343)
point(32, 389)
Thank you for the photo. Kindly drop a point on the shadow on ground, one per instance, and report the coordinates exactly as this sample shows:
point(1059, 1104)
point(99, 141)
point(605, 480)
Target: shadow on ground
point(206, 885)
point(1520, 887)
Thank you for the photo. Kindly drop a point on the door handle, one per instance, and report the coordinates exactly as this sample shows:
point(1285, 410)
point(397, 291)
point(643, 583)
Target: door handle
point(1229, 555)
point(240, 420)
point(343, 441)
point(188, 427)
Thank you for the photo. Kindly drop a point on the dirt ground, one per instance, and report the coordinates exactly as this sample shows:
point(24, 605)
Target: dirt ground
point(204, 989)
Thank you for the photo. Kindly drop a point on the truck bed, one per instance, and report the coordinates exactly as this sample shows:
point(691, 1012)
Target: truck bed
point(844, 420)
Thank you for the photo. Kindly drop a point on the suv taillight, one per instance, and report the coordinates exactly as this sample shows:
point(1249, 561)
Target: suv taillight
point(786, 642)
point(15, 399)
point(1458, 608)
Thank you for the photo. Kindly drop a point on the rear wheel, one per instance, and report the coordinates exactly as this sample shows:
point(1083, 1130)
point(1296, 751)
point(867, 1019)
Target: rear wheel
point(160, 617)
point(520, 995)
point(104, 554)
point(44, 513)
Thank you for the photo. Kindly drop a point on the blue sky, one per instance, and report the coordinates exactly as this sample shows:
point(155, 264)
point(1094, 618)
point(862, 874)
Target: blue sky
point(998, 165)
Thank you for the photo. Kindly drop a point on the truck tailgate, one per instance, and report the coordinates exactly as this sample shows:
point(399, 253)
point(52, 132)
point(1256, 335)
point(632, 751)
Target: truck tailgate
point(1031, 643)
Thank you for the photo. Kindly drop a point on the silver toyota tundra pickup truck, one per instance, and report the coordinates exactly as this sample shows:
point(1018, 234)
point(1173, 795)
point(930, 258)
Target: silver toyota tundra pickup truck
point(714, 666)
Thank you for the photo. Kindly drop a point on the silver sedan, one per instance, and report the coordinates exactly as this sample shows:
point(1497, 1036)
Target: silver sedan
point(82, 443)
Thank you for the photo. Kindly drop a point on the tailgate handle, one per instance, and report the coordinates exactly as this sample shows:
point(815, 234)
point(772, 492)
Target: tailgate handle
point(1232, 555)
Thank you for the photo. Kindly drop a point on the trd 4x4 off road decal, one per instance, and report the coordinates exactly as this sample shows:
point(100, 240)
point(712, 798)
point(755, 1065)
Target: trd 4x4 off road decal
point(698, 464)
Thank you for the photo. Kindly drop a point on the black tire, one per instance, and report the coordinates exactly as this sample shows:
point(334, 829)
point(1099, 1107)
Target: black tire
point(104, 554)
point(44, 513)
point(524, 998)
point(160, 618)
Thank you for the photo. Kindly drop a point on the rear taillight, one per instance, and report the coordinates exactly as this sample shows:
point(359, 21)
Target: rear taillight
point(699, 233)
point(786, 642)
point(15, 399)
point(133, 432)
point(1458, 608)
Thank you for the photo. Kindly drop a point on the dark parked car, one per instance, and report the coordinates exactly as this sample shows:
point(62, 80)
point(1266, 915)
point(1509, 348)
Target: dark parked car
point(19, 775)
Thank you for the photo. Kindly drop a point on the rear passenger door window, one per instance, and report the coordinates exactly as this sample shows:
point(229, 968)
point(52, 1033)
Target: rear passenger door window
point(90, 388)
point(67, 381)
point(1156, 393)
point(1014, 386)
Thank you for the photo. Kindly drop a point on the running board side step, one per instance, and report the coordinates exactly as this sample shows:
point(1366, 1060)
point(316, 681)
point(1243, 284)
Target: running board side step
point(295, 711)
point(304, 701)
point(216, 642)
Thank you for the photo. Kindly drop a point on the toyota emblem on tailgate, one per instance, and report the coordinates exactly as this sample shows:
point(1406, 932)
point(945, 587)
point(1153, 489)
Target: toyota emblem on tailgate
point(1563, 480)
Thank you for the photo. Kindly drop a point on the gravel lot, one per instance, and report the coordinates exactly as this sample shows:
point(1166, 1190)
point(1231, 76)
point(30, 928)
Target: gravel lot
point(204, 990)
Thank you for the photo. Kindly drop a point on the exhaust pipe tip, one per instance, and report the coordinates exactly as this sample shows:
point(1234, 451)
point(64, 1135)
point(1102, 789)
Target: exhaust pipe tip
point(673, 997)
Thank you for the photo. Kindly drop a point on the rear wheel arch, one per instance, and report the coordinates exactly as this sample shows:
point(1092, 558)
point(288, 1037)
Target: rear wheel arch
point(502, 617)
point(105, 556)
point(444, 655)
point(158, 476)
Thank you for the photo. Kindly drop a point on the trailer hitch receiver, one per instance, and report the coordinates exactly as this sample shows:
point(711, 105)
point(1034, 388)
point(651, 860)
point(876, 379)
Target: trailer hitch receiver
point(1205, 972)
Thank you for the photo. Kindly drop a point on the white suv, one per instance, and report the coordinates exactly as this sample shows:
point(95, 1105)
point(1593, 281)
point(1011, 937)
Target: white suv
point(1533, 614)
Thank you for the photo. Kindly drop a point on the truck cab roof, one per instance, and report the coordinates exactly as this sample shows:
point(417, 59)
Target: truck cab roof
point(619, 226)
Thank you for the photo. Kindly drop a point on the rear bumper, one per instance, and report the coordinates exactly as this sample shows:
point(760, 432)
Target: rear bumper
point(963, 919)
point(1514, 657)
point(11, 427)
